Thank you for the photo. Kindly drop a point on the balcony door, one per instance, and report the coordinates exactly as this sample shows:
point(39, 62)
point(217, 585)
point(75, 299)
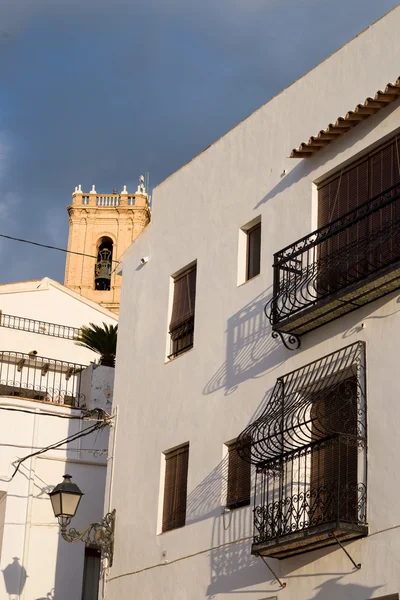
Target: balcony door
point(370, 243)
point(334, 457)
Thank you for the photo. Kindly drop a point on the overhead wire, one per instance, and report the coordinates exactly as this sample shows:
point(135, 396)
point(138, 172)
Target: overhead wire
point(17, 464)
point(50, 247)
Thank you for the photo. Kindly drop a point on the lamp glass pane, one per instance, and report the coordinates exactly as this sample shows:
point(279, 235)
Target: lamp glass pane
point(69, 503)
point(56, 504)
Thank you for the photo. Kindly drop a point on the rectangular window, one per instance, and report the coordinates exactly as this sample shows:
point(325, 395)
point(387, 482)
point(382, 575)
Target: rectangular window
point(91, 574)
point(253, 251)
point(239, 479)
point(309, 446)
point(175, 488)
point(358, 249)
point(181, 328)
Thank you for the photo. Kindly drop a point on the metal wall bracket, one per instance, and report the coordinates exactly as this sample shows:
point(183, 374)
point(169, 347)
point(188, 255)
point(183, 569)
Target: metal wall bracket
point(291, 341)
point(356, 565)
point(281, 583)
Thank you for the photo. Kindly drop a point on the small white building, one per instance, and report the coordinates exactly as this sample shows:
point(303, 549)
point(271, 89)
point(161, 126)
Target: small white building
point(46, 390)
point(241, 447)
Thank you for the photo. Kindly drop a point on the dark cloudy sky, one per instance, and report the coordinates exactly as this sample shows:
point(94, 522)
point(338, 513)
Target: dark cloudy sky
point(99, 91)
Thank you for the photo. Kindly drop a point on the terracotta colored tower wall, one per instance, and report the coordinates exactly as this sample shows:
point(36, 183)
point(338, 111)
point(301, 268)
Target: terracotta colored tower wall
point(120, 217)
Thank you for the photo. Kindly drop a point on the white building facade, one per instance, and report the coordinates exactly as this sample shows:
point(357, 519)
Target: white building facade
point(46, 391)
point(315, 407)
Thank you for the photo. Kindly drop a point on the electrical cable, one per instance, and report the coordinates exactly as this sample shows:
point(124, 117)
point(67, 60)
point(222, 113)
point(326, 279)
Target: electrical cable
point(15, 239)
point(71, 438)
point(83, 417)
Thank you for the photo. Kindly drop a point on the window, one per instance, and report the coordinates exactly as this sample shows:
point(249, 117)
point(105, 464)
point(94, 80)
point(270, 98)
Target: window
point(91, 574)
point(360, 248)
point(309, 449)
point(253, 251)
point(181, 328)
point(249, 251)
point(239, 479)
point(103, 267)
point(175, 488)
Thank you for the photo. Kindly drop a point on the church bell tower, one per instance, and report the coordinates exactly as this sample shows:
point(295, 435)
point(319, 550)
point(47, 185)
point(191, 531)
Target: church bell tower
point(102, 227)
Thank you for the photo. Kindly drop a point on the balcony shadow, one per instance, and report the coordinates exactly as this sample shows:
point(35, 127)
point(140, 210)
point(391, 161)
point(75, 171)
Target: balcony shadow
point(15, 576)
point(205, 500)
point(333, 590)
point(250, 349)
point(49, 596)
point(232, 566)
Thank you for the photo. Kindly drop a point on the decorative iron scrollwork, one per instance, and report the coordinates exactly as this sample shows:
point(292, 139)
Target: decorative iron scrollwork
point(100, 535)
point(291, 341)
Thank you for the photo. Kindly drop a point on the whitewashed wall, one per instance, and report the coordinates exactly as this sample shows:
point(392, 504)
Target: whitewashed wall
point(45, 302)
point(208, 395)
point(36, 562)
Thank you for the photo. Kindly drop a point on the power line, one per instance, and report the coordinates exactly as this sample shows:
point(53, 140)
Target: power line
point(83, 417)
point(15, 239)
point(71, 438)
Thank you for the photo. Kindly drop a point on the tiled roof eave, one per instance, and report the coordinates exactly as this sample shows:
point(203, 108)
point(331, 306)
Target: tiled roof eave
point(351, 119)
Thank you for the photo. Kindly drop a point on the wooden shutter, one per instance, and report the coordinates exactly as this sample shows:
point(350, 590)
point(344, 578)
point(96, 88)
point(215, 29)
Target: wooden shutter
point(346, 256)
point(239, 479)
point(334, 461)
point(182, 319)
point(184, 298)
point(175, 488)
point(91, 574)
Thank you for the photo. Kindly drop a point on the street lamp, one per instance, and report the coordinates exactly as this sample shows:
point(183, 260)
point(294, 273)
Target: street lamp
point(65, 500)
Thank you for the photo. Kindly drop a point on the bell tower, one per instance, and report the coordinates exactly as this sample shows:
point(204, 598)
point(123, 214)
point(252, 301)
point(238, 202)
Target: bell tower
point(102, 226)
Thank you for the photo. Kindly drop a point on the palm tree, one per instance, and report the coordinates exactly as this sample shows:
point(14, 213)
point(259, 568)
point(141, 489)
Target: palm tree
point(100, 339)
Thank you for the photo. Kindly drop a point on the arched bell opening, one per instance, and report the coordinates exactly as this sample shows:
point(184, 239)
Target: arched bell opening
point(103, 268)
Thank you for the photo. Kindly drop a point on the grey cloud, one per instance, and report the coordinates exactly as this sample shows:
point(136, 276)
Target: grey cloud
point(99, 91)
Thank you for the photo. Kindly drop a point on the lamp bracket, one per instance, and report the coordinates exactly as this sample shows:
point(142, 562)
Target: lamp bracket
point(99, 535)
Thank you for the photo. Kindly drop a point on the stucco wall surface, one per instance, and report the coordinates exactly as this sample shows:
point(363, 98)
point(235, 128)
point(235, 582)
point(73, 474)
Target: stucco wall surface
point(36, 562)
point(207, 396)
point(50, 304)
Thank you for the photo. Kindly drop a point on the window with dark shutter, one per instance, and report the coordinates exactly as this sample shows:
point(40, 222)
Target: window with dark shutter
point(181, 327)
point(91, 574)
point(253, 251)
point(175, 488)
point(341, 256)
point(239, 479)
point(309, 449)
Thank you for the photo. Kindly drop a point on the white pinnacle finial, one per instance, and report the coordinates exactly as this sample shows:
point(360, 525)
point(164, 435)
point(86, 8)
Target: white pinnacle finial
point(93, 190)
point(124, 191)
point(141, 188)
point(79, 188)
point(76, 189)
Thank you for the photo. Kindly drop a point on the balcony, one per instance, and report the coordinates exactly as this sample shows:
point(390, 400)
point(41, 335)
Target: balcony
point(39, 378)
point(321, 504)
point(309, 448)
point(338, 268)
point(42, 327)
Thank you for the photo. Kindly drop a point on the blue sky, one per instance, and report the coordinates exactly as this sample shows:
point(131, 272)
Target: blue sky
point(100, 91)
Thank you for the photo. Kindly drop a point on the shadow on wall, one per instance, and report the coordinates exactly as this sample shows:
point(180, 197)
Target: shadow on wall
point(232, 566)
point(250, 349)
point(14, 578)
point(49, 596)
point(205, 500)
point(333, 590)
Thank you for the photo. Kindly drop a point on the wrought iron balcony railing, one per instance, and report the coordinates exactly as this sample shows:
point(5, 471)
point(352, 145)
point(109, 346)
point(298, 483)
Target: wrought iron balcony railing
point(337, 268)
point(307, 496)
point(42, 327)
point(309, 449)
point(39, 378)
